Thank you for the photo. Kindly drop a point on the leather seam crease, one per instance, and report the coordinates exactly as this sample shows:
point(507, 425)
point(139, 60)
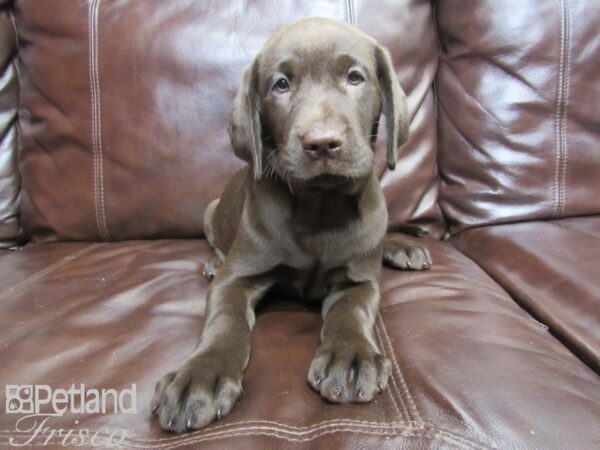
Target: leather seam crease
point(101, 222)
point(392, 382)
point(47, 270)
point(560, 115)
point(349, 426)
point(409, 399)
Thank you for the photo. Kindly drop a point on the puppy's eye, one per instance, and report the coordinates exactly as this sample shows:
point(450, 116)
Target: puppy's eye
point(282, 86)
point(355, 78)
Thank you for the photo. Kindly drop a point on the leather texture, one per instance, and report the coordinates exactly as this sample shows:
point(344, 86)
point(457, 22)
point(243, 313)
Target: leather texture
point(552, 270)
point(11, 233)
point(123, 109)
point(128, 102)
point(518, 120)
point(472, 370)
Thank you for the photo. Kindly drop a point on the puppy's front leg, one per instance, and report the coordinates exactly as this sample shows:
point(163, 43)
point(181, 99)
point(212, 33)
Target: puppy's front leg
point(209, 383)
point(348, 366)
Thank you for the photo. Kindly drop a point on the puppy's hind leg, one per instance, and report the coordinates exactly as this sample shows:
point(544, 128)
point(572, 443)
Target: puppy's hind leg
point(403, 254)
point(210, 268)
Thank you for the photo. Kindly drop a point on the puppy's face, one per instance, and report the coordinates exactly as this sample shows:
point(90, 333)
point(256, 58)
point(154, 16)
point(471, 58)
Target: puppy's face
point(315, 93)
point(320, 102)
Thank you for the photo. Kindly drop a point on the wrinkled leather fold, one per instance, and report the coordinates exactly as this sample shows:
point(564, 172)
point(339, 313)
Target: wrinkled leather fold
point(11, 232)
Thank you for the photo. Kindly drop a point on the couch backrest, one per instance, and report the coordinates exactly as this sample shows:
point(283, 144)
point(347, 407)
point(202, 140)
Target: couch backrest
point(125, 108)
point(519, 116)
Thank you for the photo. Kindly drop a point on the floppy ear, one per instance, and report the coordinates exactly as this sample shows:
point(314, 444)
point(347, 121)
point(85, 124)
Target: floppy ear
point(394, 105)
point(244, 123)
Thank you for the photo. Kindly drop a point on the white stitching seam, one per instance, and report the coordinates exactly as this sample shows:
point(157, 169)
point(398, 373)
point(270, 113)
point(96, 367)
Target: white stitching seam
point(101, 222)
point(99, 135)
point(565, 143)
point(408, 396)
point(392, 386)
point(407, 433)
point(299, 436)
point(93, 112)
point(560, 115)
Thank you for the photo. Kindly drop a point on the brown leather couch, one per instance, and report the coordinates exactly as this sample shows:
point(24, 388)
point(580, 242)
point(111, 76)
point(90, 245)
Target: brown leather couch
point(113, 118)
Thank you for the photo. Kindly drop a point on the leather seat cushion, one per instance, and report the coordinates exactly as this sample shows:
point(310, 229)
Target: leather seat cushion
point(552, 269)
point(471, 368)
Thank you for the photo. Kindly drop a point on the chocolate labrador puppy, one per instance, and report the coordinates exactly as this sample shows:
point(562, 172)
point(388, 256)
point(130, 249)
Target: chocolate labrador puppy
point(306, 215)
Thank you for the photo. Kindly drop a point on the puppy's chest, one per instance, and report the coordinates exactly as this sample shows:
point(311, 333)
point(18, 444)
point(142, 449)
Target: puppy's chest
point(322, 251)
point(328, 239)
point(323, 214)
point(320, 261)
point(309, 283)
point(324, 240)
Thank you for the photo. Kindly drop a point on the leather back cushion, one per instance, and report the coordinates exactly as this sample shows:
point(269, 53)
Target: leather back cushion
point(519, 123)
point(125, 108)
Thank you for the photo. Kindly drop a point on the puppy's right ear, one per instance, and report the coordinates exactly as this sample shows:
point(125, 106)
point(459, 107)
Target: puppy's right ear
point(394, 105)
point(244, 123)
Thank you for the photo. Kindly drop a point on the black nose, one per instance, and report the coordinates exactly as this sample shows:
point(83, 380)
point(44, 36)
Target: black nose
point(322, 142)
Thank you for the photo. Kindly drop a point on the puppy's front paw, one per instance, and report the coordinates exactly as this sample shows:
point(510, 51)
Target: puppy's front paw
point(402, 254)
point(204, 389)
point(349, 372)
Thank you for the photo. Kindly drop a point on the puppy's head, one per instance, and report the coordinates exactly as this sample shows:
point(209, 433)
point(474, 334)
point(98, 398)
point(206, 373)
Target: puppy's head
point(310, 103)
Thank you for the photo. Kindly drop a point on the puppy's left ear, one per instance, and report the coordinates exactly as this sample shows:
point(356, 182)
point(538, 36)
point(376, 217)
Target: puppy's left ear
point(244, 122)
point(394, 105)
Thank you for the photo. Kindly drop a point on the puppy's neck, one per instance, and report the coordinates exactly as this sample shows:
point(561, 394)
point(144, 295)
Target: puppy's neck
point(317, 210)
point(334, 208)
point(351, 188)
point(325, 212)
